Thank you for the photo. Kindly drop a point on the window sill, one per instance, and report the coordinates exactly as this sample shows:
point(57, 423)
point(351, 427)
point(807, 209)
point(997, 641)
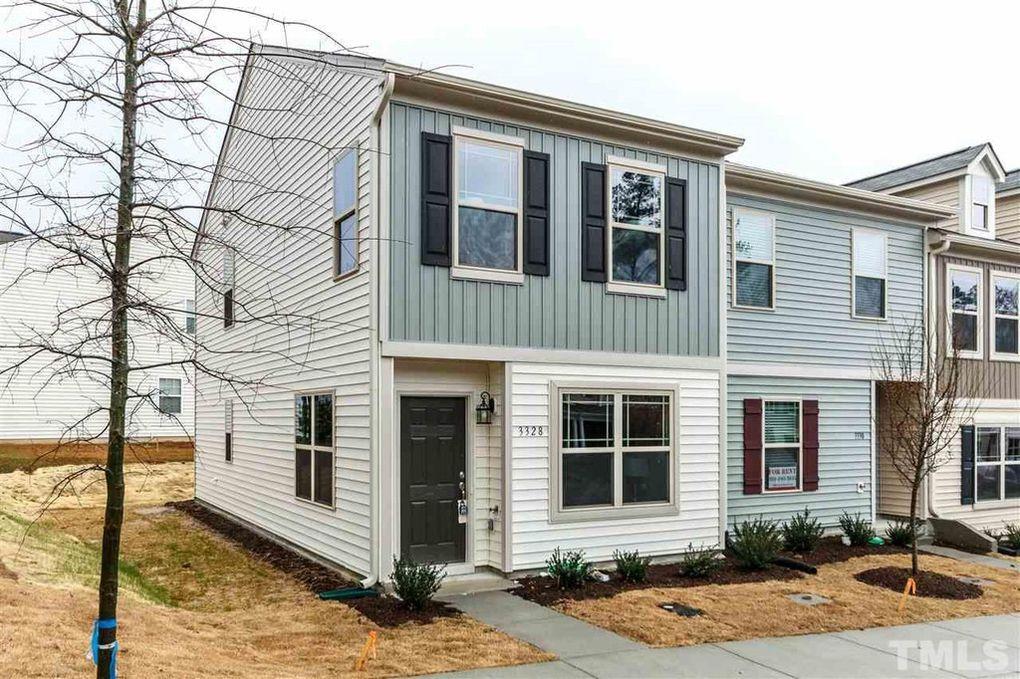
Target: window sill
point(337, 277)
point(782, 491)
point(870, 319)
point(317, 505)
point(996, 504)
point(739, 307)
point(635, 290)
point(487, 275)
point(1006, 358)
point(605, 513)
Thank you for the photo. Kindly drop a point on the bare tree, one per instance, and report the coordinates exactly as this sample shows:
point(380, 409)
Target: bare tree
point(117, 123)
point(922, 402)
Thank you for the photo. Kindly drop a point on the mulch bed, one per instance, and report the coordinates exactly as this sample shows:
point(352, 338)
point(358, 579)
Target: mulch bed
point(384, 611)
point(832, 550)
point(544, 591)
point(929, 584)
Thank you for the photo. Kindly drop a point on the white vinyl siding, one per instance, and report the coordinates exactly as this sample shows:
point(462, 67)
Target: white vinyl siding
point(697, 474)
point(330, 354)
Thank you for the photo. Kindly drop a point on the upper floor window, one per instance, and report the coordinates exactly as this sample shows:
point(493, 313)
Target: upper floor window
point(997, 463)
point(228, 430)
point(782, 445)
point(753, 259)
point(345, 215)
point(981, 188)
point(190, 319)
point(1006, 307)
point(228, 287)
point(636, 205)
point(487, 216)
point(965, 310)
point(313, 448)
point(870, 268)
point(170, 395)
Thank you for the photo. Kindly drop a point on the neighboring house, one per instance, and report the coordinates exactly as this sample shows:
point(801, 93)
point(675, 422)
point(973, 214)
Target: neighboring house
point(818, 278)
point(43, 401)
point(1007, 207)
point(559, 262)
point(973, 296)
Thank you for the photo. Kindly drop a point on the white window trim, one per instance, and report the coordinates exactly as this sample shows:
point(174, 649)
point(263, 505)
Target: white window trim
point(853, 276)
point(516, 275)
point(979, 353)
point(557, 514)
point(996, 355)
point(179, 395)
point(1002, 500)
point(800, 447)
point(313, 448)
point(737, 212)
point(339, 219)
point(628, 287)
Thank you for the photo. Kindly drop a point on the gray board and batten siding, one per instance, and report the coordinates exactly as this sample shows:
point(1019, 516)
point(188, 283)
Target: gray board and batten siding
point(559, 311)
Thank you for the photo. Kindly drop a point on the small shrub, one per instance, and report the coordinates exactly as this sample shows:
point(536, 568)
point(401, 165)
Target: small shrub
point(857, 529)
point(802, 533)
point(416, 583)
point(756, 543)
point(570, 569)
point(698, 563)
point(1011, 536)
point(631, 566)
point(900, 534)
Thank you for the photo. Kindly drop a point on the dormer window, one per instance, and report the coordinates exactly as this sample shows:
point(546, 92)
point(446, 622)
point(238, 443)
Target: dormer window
point(982, 200)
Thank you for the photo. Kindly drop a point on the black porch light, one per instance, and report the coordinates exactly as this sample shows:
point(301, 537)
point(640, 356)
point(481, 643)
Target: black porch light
point(485, 409)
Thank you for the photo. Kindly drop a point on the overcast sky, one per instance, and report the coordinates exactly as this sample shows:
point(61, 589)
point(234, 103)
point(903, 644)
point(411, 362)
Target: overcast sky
point(823, 90)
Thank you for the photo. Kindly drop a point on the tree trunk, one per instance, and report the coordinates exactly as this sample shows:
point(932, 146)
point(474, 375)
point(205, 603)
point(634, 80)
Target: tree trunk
point(914, 490)
point(119, 370)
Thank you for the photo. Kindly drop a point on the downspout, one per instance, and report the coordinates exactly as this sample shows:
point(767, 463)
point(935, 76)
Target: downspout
point(375, 509)
point(933, 311)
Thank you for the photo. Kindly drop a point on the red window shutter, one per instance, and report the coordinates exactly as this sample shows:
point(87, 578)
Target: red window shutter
point(752, 445)
point(810, 445)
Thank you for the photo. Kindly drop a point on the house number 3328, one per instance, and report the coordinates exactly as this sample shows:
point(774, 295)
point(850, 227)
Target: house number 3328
point(529, 431)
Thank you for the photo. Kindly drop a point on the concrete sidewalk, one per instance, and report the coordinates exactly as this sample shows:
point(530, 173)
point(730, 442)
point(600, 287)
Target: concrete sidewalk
point(971, 647)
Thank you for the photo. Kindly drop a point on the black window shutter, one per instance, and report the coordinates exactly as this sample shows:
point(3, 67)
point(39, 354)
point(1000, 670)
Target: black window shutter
point(536, 213)
point(676, 234)
point(593, 222)
point(967, 444)
point(436, 179)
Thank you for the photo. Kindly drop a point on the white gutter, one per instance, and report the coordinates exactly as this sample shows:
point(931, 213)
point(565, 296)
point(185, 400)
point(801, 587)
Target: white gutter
point(375, 506)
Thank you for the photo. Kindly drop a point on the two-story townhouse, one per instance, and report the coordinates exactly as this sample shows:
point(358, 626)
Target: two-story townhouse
point(522, 337)
point(973, 271)
point(818, 276)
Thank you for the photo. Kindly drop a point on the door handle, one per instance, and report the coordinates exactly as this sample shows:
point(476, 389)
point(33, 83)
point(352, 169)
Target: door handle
point(463, 490)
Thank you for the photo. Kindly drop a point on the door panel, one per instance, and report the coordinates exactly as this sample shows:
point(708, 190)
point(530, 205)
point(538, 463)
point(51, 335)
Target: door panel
point(432, 461)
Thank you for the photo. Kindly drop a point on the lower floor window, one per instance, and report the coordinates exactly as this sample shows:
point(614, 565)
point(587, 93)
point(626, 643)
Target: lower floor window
point(615, 449)
point(997, 463)
point(313, 448)
point(782, 445)
point(170, 395)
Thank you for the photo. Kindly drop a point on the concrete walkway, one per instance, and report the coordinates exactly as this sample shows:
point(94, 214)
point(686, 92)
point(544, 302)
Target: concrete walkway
point(972, 647)
point(981, 559)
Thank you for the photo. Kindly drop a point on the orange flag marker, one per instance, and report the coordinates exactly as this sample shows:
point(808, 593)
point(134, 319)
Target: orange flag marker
point(369, 649)
point(908, 589)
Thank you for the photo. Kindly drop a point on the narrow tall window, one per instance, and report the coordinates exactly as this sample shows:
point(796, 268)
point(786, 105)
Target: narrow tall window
point(313, 445)
point(636, 217)
point(782, 445)
point(228, 430)
point(1006, 307)
point(345, 214)
point(228, 287)
point(170, 395)
point(965, 310)
point(754, 259)
point(190, 319)
point(487, 219)
point(870, 258)
point(982, 199)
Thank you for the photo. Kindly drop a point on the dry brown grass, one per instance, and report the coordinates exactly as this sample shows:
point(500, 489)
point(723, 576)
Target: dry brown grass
point(736, 612)
point(25, 456)
point(228, 615)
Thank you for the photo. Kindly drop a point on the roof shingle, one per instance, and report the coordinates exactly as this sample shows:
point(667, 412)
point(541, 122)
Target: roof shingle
point(1012, 181)
point(918, 171)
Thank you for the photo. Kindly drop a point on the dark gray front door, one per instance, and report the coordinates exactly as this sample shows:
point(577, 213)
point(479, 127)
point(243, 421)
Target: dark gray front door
point(432, 455)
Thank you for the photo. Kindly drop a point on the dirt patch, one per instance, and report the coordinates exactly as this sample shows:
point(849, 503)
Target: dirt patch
point(929, 583)
point(31, 456)
point(762, 609)
point(543, 590)
point(832, 550)
point(5, 572)
point(383, 610)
